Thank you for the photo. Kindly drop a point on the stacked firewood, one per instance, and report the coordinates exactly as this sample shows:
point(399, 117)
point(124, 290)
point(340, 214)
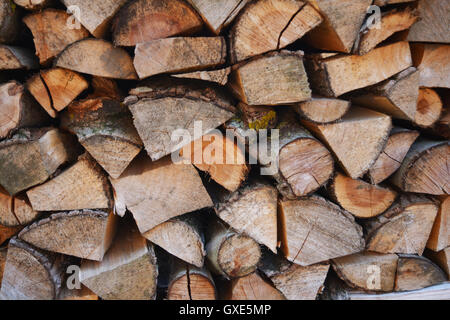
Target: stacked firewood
point(351, 96)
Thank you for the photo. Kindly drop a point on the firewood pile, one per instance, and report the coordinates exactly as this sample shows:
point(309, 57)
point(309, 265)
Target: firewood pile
point(224, 149)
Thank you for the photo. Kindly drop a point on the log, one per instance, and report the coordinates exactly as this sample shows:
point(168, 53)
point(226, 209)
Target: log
point(252, 211)
point(15, 211)
point(230, 254)
point(258, 117)
point(105, 88)
point(32, 156)
point(31, 274)
point(404, 228)
point(56, 88)
point(173, 104)
point(146, 20)
point(314, 230)
point(442, 127)
point(391, 158)
point(81, 186)
point(334, 76)
point(8, 232)
point(85, 234)
point(219, 76)
point(96, 16)
point(270, 25)
point(432, 61)
point(105, 129)
point(441, 258)
point(12, 58)
point(360, 198)
point(273, 79)
point(252, 287)
point(323, 110)
point(77, 294)
point(34, 4)
point(440, 233)
point(424, 169)
point(433, 24)
point(51, 33)
point(128, 270)
point(429, 108)
point(146, 188)
point(368, 271)
point(357, 140)
point(182, 237)
point(382, 3)
point(414, 273)
point(341, 25)
point(181, 54)
point(19, 110)
point(97, 57)
point(9, 22)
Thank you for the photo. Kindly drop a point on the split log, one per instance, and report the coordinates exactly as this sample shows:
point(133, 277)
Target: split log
point(34, 4)
point(391, 158)
point(314, 230)
point(82, 186)
point(32, 156)
point(360, 198)
point(147, 188)
point(424, 169)
point(440, 234)
point(258, 117)
point(230, 254)
point(85, 234)
point(433, 24)
point(105, 129)
point(252, 211)
point(368, 271)
point(9, 22)
point(95, 15)
point(442, 127)
point(8, 232)
point(334, 76)
point(323, 110)
point(31, 274)
point(441, 258)
point(15, 211)
point(97, 57)
point(269, 25)
point(180, 54)
point(182, 237)
point(17, 58)
point(128, 270)
point(219, 76)
point(252, 287)
point(429, 108)
point(382, 3)
point(433, 63)
point(414, 273)
point(146, 20)
point(404, 228)
point(173, 104)
point(56, 88)
point(105, 88)
point(77, 294)
point(357, 140)
point(273, 79)
point(341, 25)
point(397, 97)
point(52, 33)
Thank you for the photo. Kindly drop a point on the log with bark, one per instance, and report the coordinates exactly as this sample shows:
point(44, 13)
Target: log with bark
point(9, 22)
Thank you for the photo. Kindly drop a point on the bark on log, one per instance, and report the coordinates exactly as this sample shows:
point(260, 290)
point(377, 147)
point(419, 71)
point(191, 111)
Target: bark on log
point(258, 117)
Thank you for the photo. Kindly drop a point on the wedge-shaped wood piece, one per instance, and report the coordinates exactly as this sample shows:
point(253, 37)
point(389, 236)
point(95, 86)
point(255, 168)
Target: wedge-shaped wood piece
point(368, 271)
point(252, 211)
point(95, 15)
point(424, 169)
point(9, 22)
point(85, 234)
point(52, 33)
point(19, 110)
point(56, 88)
point(145, 20)
point(31, 156)
point(181, 54)
point(315, 230)
point(17, 58)
point(414, 273)
point(105, 129)
point(404, 228)
point(357, 140)
point(340, 74)
point(31, 274)
point(15, 210)
point(105, 88)
point(34, 4)
point(181, 237)
point(155, 192)
point(128, 270)
point(391, 158)
point(341, 25)
point(173, 104)
point(323, 110)
point(433, 63)
point(440, 234)
point(360, 198)
point(441, 258)
point(97, 57)
point(219, 76)
point(397, 97)
point(82, 186)
point(433, 24)
point(269, 25)
point(273, 79)
point(442, 127)
point(252, 287)
point(7, 233)
point(429, 108)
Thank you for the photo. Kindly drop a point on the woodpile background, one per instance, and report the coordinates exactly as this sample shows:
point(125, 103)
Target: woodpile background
point(359, 207)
